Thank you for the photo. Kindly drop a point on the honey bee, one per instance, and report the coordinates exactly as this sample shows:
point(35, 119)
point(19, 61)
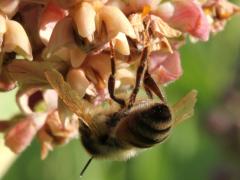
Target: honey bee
point(120, 133)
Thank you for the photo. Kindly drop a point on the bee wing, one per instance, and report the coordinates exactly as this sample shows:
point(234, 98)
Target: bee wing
point(30, 73)
point(69, 96)
point(184, 108)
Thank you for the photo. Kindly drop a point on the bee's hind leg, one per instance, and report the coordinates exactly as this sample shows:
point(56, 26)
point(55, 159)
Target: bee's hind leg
point(140, 73)
point(111, 80)
point(148, 91)
point(151, 85)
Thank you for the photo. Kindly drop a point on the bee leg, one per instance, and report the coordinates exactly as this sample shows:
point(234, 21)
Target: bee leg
point(111, 80)
point(148, 91)
point(151, 85)
point(140, 72)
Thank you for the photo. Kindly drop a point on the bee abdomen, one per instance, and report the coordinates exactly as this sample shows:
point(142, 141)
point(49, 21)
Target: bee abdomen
point(146, 139)
point(148, 127)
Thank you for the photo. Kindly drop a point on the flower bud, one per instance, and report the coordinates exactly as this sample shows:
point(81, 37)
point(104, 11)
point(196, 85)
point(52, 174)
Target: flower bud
point(116, 22)
point(9, 7)
point(16, 40)
point(121, 44)
point(84, 17)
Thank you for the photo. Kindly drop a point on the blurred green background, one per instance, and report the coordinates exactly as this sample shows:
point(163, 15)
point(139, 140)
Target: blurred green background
point(190, 153)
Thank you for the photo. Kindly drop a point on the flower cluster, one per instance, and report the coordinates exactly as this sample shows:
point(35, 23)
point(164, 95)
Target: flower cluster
point(60, 54)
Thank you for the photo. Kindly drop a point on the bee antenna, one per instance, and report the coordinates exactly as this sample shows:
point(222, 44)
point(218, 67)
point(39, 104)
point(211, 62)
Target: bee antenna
point(86, 166)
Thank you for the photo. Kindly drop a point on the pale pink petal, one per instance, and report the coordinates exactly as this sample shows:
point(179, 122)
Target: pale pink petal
point(84, 16)
point(77, 56)
point(21, 135)
point(55, 132)
point(97, 69)
point(165, 68)
point(28, 98)
point(50, 16)
point(78, 81)
point(62, 37)
point(189, 17)
point(9, 7)
point(165, 10)
point(115, 22)
point(50, 96)
point(16, 39)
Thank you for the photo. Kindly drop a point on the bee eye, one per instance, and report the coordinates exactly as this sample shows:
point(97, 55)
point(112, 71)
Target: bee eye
point(159, 112)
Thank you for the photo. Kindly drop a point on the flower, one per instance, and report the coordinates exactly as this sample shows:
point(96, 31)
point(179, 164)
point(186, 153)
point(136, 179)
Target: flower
point(47, 126)
point(61, 54)
point(219, 12)
point(49, 17)
point(9, 7)
point(21, 135)
point(165, 67)
point(186, 16)
point(13, 40)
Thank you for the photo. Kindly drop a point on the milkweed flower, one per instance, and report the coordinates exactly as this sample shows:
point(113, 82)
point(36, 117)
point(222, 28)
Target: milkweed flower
point(165, 67)
point(219, 12)
point(61, 54)
point(187, 16)
point(13, 41)
point(47, 125)
point(9, 8)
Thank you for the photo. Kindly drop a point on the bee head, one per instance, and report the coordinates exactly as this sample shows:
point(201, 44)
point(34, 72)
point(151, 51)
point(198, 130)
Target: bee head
point(96, 136)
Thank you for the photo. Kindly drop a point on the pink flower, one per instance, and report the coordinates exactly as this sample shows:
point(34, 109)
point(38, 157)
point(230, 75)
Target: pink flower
point(55, 132)
point(9, 7)
point(165, 67)
point(52, 127)
point(49, 18)
point(187, 16)
point(219, 12)
point(22, 133)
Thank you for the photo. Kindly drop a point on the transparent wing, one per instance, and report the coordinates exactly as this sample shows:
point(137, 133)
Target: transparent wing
point(184, 108)
point(31, 73)
point(69, 96)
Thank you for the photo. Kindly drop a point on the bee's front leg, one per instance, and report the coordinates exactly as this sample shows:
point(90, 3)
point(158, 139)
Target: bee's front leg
point(111, 80)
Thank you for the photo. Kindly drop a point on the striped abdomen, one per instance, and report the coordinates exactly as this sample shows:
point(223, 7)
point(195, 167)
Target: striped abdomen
point(146, 125)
